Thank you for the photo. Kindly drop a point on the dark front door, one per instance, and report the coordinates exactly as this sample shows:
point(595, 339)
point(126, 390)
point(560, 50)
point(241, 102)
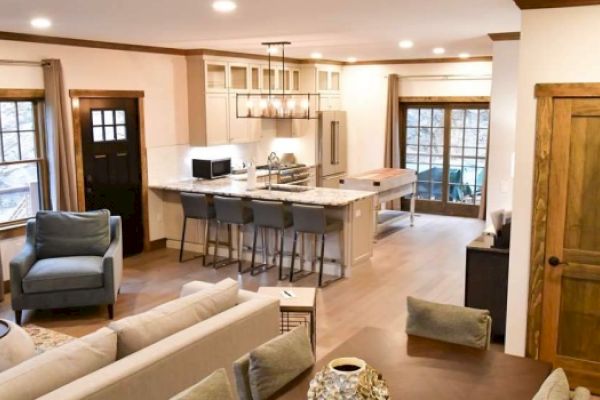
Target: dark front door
point(111, 163)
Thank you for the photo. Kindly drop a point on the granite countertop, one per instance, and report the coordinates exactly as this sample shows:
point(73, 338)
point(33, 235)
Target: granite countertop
point(236, 188)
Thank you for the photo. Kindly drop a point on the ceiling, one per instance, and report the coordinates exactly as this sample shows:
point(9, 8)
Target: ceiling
point(365, 29)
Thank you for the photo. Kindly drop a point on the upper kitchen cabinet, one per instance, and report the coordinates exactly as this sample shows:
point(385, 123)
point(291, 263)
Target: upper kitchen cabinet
point(239, 77)
point(290, 128)
point(255, 78)
point(280, 79)
point(326, 81)
point(216, 76)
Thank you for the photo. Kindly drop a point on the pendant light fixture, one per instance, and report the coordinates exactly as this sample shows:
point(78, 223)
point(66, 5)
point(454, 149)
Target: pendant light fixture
point(277, 104)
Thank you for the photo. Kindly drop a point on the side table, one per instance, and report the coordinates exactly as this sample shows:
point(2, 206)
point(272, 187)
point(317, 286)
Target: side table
point(295, 300)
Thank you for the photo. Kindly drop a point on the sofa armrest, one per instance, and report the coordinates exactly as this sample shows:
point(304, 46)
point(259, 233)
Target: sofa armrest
point(24, 260)
point(197, 286)
point(112, 262)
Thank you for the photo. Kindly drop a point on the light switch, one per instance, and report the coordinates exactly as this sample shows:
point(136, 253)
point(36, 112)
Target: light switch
point(358, 213)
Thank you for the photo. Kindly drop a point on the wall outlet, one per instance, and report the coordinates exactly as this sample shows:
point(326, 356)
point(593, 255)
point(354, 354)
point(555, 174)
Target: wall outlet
point(358, 213)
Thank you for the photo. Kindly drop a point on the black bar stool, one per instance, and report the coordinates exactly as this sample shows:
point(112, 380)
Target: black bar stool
point(231, 211)
point(269, 215)
point(313, 219)
point(196, 206)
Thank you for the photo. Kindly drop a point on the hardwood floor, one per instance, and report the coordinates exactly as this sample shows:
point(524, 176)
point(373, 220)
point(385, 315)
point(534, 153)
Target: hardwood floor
point(427, 261)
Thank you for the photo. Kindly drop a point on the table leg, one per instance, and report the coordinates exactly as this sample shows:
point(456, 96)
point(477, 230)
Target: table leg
point(313, 329)
point(413, 199)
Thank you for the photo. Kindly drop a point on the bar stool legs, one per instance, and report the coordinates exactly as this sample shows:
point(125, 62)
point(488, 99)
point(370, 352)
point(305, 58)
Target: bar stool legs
point(206, 241)
point(321, 261)
point(300, 273)
point(229, 260)
point(182, 239)
point(257, 269)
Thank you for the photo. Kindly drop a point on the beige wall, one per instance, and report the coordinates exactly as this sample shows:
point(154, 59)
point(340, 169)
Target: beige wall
point(557, 45)
point(161, 77)
point(364, 97)
point(503, 121)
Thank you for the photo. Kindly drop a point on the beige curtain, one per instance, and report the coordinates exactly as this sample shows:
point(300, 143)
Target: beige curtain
point(61, 161)
point(392, 129)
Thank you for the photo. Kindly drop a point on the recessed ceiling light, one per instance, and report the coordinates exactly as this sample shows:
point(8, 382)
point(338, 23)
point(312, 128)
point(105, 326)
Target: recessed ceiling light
point(406, 44)
point(352, 59)
point(464, 56)
point(224, 6)
point(316, 55)
point(41, 23)
point(439, 50)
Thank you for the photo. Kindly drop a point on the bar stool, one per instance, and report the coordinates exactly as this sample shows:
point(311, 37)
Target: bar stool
point(231, 211)
point(196, 206)
point(269, 215)
point(312, 219)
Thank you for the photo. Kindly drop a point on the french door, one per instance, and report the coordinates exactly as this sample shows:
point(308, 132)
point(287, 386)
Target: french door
point(447, 145)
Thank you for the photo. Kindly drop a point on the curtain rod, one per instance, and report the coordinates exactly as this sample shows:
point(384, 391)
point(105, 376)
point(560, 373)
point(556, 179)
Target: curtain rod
point(22, 62)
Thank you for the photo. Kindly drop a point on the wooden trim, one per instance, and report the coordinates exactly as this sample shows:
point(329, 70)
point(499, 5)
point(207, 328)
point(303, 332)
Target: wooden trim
point(445, 99)
point(22, 94)
point(9, 232)
point(423, 60)
point(567, 90)
point(535, 4)
point(128, 94)
point(157, 244)
point(95, 44)
point(76, 95)
point(503, 36)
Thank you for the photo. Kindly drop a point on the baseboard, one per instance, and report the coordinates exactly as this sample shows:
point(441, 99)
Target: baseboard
point(6, 285)
point(157, 244)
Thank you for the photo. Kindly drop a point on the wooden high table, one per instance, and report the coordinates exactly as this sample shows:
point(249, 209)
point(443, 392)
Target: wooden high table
point(390, 184)
point(417, 368)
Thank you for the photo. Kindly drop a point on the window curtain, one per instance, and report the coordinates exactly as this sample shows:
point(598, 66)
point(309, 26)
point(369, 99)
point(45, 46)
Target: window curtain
point(392, 130)
point(61, 161)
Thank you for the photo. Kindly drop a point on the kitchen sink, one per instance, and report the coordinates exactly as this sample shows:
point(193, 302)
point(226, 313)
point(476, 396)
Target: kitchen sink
point(289, 188)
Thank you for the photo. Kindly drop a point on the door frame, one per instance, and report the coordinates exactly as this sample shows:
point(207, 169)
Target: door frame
point(545, 93)
point(433, 207)
point(76, 95)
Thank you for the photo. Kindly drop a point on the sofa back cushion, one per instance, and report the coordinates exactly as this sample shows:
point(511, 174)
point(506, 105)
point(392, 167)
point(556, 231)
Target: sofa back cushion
point(555, 387)
point(65, 234)
point(449, 323)
point(214, 387)
point(57, 367)
point(139, 331)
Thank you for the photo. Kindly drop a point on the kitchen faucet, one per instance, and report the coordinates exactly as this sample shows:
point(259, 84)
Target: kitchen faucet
point(272, 160)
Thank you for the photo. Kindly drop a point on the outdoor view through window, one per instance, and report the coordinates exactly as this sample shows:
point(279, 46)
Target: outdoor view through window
point(19, 161)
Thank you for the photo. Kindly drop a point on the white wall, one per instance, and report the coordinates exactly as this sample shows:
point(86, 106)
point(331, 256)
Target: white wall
point(557, 45)
point(162, 77)
point(364, 97)
point(503, 124)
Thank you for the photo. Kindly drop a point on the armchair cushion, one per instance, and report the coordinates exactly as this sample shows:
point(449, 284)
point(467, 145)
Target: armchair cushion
point(64, 273)
point(63, 234)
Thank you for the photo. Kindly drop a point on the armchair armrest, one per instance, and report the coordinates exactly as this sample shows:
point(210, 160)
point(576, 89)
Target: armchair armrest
point(24, 260)
point(112, 262)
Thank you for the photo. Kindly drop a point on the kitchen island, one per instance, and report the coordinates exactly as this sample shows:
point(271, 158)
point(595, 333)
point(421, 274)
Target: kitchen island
point(355, 208)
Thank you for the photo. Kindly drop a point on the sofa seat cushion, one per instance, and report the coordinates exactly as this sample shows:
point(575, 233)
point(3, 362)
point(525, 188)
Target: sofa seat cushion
point(142, 330)
point(64, 273)
point(53, 369)
point(63, 234)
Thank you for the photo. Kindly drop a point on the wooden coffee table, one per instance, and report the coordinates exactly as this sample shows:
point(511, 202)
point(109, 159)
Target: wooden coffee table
point(305, 301)
point(418, 368)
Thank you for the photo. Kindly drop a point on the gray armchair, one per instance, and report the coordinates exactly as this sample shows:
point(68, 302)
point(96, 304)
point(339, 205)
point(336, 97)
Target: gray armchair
point(68, 260)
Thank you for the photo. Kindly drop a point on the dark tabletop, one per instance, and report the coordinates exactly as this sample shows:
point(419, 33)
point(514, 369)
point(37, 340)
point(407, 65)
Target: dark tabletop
point(418, 368)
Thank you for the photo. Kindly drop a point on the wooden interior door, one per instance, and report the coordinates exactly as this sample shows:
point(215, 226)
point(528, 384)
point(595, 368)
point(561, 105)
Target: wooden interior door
point(570, 329)
point(112, 163)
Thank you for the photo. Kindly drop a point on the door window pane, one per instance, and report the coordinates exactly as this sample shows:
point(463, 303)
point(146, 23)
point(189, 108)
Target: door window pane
point(109, 125)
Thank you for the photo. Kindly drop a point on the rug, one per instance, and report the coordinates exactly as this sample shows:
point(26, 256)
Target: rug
point(46, 339)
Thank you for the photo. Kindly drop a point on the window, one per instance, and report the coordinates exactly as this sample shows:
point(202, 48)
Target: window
point(109, 125)
point(446, 144)
point(21, 161)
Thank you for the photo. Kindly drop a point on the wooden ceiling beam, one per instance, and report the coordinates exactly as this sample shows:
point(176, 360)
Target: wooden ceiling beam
point(536, 4)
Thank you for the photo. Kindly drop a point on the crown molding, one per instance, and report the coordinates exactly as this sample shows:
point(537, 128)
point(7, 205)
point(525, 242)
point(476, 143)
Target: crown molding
point(422, 60)
point(536, 4)
point(62, 41)
point(502, 36)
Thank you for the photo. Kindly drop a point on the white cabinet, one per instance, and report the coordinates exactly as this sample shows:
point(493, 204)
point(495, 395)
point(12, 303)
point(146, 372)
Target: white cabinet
point(217, 119)
point(330, 102)
point(239, 128)
point(295, 127)
point(216, 76)
point(328, 80)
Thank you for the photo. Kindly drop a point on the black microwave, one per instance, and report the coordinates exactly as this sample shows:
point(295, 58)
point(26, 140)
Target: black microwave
point(211, 169)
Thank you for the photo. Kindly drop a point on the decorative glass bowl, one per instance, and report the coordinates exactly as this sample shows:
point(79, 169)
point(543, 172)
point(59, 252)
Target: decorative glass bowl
point(348, 378)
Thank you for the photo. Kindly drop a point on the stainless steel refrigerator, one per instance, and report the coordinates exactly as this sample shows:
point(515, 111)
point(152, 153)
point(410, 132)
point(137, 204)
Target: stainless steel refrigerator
point(332, 148)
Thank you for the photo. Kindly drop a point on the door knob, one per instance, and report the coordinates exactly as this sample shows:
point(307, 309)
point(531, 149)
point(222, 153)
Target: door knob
point(555, 261)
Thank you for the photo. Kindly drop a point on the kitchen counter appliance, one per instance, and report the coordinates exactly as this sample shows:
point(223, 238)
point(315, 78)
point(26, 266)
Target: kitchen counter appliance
point(211, 169)
point(332, 149)
point(292, 174)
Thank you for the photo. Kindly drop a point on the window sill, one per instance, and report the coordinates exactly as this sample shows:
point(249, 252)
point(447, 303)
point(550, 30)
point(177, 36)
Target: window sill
point(13, 230)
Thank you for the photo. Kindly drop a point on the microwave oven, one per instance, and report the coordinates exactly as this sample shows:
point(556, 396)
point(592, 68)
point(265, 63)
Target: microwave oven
point(211, 169)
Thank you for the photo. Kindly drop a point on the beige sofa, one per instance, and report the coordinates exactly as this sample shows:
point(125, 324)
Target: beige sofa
point(161, 369)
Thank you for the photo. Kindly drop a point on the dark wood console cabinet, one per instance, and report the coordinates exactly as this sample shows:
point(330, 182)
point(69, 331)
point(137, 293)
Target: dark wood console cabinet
point(486, 283)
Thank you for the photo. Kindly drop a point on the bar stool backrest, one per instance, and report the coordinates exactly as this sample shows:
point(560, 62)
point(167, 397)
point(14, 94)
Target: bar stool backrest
point(309, 219)
point(196, 205)
point(231, 210)
point(270, 214)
